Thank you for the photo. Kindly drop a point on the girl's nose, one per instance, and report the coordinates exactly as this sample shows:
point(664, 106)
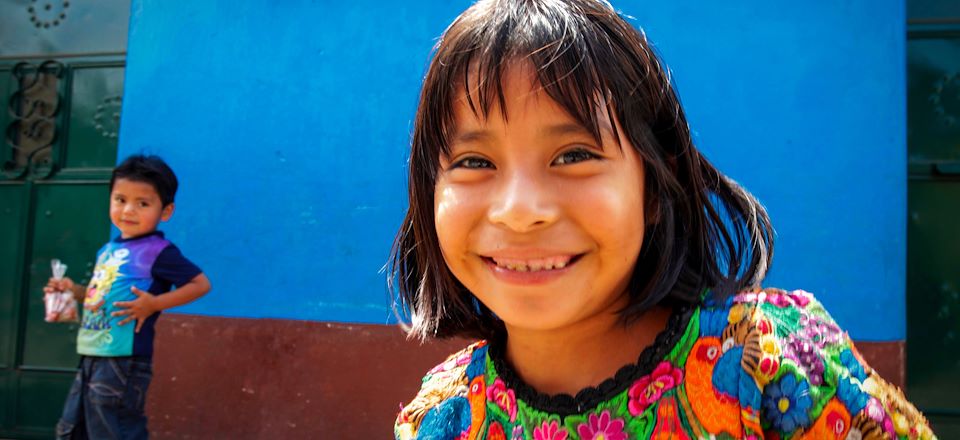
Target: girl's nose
point(523, 203)
point(129, 207)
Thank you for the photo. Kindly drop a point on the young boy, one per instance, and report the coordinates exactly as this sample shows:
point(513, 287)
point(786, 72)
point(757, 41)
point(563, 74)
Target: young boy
point(130, 287)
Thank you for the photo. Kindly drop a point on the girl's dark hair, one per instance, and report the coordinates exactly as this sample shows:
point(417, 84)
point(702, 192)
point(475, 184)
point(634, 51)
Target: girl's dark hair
point(703, 231)
point(148, 169)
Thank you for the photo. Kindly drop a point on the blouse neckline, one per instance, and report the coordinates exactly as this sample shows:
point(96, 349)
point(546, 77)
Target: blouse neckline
point(588, 398)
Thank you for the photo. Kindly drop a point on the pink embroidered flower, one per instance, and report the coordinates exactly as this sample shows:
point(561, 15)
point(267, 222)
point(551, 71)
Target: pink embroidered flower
point(800, 297)
point(549, 430)
point(499, 394)
point(648, 389)
point(781, 300)
point(878, 414)
point(602, 428)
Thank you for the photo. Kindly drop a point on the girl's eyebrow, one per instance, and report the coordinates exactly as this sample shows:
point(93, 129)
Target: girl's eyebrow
point(472, 136)
point(555, 130)
point(568, 128)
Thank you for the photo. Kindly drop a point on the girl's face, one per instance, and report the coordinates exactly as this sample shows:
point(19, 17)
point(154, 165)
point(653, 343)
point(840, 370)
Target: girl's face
point(538, 220)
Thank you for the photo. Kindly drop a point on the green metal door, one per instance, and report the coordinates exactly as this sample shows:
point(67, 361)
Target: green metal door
point(933, 203)
point(61, 78)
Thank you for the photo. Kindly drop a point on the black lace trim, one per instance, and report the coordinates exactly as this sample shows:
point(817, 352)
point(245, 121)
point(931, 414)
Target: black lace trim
point(588, 398)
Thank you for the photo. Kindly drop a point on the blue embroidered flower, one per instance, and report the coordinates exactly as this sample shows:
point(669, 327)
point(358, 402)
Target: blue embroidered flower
point(713, 321)
point(853, 365)
point(787, 402)
point(851, 395)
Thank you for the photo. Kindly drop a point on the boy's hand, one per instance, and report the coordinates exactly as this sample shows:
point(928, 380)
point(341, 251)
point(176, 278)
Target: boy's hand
point(65, 285)
point(62, 285)
point(139, 309)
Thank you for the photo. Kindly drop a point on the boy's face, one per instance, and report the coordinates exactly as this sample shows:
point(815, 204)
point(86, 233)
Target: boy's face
point(542, 223)
point(135, 208)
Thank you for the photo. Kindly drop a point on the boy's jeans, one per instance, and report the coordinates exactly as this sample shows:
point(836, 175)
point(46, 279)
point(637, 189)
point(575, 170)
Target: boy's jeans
point(106, 399)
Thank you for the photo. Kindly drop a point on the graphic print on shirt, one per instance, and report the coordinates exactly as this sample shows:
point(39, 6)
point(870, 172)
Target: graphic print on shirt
point(104, 275)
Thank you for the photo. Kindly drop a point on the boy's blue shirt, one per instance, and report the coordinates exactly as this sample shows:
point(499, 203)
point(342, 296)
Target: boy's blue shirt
point(152, 264)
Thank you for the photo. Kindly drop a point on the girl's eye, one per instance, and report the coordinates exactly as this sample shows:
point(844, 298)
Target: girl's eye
point(575, 156)
point(144, 204)
point(472, 163)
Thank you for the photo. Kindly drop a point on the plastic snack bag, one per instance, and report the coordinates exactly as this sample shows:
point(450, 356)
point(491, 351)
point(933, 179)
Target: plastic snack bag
point(60, 306)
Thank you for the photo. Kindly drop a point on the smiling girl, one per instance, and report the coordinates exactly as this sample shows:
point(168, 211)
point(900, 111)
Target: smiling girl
point(560, 213)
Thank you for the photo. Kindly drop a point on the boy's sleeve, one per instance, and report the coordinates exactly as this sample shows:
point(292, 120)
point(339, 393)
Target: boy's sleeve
point(172, 267)
point(814, 383)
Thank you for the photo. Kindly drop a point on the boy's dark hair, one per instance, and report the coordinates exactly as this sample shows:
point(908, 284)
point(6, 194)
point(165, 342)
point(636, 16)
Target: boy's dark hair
point(148, 169)
point(703, 230)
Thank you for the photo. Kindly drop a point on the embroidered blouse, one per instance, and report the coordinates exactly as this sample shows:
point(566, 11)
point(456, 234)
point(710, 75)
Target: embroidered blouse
point(763, 364)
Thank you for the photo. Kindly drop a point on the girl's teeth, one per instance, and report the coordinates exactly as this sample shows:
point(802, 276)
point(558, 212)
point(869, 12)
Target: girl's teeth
point(534, 266)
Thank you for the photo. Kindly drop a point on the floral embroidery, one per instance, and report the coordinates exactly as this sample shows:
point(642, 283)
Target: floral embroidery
point(503, 397)
point(786, 403)
point(602, 427)
point(650, 388)
point(875, 412)
point(818, 331)
point(806, 355)
point(853, 365)
point(775, 297)
point(495, 432)
point(833, 423)
point(549, 430)
point(769, 363)
point(851, 395)
point(762, 364)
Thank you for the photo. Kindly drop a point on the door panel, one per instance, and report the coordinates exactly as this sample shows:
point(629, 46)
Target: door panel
point(12, 216)
point(94, 117)
point(933, 207)
point(68, 225)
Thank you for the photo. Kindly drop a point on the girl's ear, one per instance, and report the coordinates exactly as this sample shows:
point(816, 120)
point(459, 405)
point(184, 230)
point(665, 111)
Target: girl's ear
point(167, 212)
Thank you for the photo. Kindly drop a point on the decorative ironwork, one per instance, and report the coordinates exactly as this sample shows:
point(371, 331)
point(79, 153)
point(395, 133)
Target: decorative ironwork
point(33, 108)
point(46, 13)
point(946, 98)
point(107, 118)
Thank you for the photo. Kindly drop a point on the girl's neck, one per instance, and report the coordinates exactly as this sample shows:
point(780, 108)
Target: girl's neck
point(567, 360)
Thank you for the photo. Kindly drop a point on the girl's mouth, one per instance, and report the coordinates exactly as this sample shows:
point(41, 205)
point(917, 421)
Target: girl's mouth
point(534, 265)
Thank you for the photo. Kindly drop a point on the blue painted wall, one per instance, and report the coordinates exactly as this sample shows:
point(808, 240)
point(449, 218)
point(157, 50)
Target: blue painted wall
point(288, 125)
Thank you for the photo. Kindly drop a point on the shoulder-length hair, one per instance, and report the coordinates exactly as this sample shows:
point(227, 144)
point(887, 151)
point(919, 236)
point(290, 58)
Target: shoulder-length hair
point(704, 231)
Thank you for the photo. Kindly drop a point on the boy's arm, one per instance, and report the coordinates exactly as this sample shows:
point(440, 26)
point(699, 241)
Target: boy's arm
point(147, 304)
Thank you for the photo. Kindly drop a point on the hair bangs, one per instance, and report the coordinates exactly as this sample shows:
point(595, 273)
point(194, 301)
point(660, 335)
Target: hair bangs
point(555, 40)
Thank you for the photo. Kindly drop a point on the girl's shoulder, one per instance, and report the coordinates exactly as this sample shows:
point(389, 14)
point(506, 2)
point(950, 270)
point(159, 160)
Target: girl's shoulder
point(442, 406)
point(804, 373)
